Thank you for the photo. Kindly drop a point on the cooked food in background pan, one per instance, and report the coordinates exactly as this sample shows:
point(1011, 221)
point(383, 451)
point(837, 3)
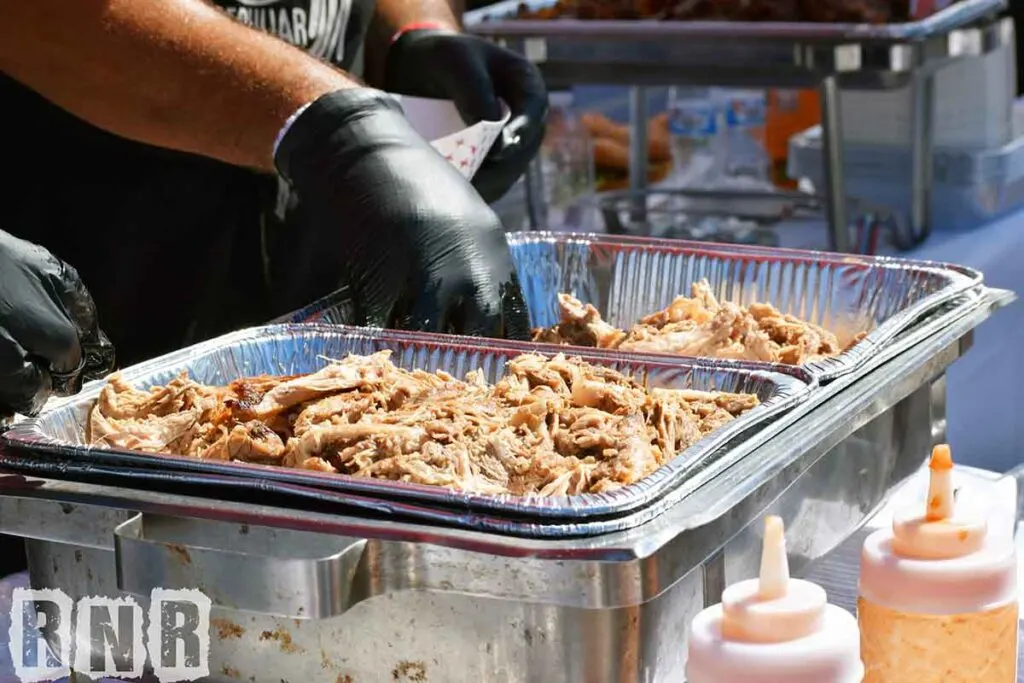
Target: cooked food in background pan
point(549, 426)
point(818, 11)
point(699, 326)
point(611, 151)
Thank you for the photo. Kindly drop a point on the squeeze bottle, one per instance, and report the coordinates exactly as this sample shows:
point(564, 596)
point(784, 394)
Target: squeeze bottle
point(774, 629)
point(938, 593)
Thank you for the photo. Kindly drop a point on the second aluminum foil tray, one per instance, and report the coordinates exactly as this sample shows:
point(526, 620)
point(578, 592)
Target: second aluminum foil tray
point(627, 278)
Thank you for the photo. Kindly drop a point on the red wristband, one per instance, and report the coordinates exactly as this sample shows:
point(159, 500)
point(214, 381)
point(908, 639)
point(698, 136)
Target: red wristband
point(418, 26)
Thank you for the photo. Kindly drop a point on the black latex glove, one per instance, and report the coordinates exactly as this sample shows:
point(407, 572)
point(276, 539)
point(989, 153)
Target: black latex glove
point(477, 75)
point(395, 223)
point(49, 337)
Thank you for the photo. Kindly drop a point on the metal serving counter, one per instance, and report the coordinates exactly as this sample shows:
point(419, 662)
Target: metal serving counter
point(836, 572)
point(356, 599)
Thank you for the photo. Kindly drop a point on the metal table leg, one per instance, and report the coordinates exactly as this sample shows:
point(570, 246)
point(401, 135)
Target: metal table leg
point(832, 146)
point(536, 206)
point(921, 129)
point(638, 117)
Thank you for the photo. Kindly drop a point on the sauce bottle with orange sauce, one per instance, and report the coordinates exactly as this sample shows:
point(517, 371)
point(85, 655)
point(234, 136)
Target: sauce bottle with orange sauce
point(938, 594)
point(774, 629)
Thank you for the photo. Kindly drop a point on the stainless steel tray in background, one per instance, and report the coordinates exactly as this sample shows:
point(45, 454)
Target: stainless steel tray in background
point(716, 216)
point(285, 349)
point(500, 19)
point(627, 278)
point(742, 54)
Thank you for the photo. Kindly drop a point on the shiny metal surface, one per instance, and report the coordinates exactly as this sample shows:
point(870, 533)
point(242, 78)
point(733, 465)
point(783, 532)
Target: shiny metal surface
point(628, 278)
point(840, 409)
point(758, 206)
point(295, 349)
point(837, 572)
point(832, 144)
point(458, 616)
point(761, 54)
point(498, 19)
point(433, 604)
point(425, 636)
point(922, 122)
point(286, 573)
point(535, 195)
point(708, 216)
point(638, 116)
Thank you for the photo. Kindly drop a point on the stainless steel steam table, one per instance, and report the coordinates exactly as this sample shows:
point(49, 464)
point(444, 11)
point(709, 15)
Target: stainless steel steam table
point(302, 596)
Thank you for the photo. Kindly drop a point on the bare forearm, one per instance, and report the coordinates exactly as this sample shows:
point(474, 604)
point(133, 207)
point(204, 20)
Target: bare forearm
point(394, 14)
point(391, 15)
point(174, 73)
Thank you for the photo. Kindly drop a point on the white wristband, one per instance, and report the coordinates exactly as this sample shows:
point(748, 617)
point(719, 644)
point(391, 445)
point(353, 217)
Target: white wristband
point(287, 125)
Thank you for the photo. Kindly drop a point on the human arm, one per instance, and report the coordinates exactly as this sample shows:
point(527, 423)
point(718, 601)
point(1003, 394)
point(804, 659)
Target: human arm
point(415, 48)
point(173, 73)
point(388, 215)
point(390, 16)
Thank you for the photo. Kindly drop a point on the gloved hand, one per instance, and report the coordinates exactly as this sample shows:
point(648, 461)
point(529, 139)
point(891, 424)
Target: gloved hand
point(49, 337)
point(477, 75)
point(391, 220)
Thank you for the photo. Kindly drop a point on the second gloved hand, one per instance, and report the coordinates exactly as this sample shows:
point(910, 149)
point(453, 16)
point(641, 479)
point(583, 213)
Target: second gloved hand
point(394, 222)
point(49, 337)
point(477, 75)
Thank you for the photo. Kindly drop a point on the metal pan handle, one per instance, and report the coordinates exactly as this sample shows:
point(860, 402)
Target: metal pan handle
point(999, 298)
point(285, 573)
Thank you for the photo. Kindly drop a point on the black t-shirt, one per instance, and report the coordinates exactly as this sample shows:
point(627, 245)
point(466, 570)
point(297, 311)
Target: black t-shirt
point(320, 27)
point(168, 243)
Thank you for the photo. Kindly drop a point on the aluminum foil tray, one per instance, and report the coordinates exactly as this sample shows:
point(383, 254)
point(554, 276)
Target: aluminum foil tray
point(293, 349)
point(626, 278)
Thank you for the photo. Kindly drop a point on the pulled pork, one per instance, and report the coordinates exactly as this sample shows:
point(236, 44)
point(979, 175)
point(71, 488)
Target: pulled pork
point(557, 426)
point(699, 326)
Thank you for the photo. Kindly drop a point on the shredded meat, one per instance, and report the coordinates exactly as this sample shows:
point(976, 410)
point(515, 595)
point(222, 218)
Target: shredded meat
point(550, 426)
point(699, 326)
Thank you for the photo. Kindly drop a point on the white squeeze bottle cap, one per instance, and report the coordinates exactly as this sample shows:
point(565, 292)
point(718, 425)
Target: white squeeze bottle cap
point(774, 629)
point(939, 560)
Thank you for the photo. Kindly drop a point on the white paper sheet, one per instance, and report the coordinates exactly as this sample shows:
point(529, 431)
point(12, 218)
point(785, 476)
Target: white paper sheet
point(439, 121)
